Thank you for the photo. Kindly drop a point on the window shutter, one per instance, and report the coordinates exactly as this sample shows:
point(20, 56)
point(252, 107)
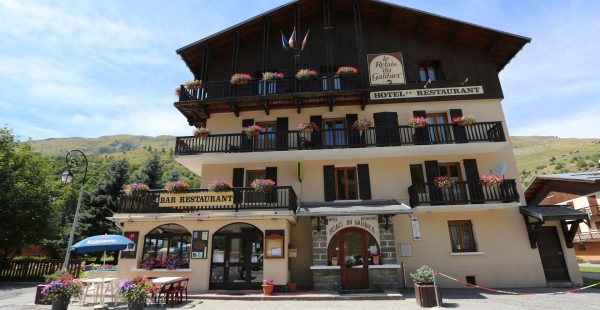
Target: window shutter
point(473, 184)
point(364, 181)
point(386, 128)
point(247, 122)
point(448, 70)
point(316, 139)
point(282, 133)
point(246, 143)
point(432, 171)
point(329, 182)
point(460, 132)
point(412, 70)
point(421, 135)
point(353, 135)
point(271, 173)
point(237, 181)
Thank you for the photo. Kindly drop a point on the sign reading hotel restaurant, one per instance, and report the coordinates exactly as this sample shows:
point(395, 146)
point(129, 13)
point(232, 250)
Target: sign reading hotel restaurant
point(386, 69)
point(369, 223)
point(197, 199)
point(427, 92)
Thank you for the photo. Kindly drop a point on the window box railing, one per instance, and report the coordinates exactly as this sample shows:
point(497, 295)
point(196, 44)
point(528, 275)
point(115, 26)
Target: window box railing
point(245, 198)
point(462, 192)
point(258, 87)
point(340, 138)
point(588, 236)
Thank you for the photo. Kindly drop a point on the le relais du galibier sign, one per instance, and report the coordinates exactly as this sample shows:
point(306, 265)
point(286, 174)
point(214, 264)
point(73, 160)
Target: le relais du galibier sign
point(386, 69)
point(196, 199)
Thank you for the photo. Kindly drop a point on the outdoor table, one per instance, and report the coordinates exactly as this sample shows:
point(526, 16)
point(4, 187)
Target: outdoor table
point(101, 282)
point(165, 280)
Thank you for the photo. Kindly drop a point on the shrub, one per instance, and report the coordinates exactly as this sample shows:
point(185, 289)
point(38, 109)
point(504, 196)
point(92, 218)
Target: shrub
point(540, 167)
point(423, 275)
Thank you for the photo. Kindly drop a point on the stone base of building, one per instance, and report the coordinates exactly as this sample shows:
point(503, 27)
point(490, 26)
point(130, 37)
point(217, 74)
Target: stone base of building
point(384, 278)
point(326, 279)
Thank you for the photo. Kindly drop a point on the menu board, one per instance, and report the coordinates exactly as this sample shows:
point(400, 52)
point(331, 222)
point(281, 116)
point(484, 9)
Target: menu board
point(274, 243)
point(130, 251)
point(199, 244)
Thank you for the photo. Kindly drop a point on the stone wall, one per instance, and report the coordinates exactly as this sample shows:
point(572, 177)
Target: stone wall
point(385, 279)
point(327, 279)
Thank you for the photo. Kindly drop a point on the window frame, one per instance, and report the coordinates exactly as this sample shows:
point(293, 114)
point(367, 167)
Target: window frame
point(425, 65)
point(248, 182)
point(347, 188)
point(171, 240)
point(334, 132)
point(472, 247)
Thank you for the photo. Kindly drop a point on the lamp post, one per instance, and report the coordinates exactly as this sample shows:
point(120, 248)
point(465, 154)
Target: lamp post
point(66, 177)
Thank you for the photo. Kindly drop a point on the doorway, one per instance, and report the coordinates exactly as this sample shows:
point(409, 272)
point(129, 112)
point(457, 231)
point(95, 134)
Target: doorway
point(237, 258)
point(552, 255)
point(354, 249)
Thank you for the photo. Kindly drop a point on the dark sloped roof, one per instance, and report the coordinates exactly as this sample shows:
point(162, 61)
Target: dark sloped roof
point(539, 181)
point(553, 213)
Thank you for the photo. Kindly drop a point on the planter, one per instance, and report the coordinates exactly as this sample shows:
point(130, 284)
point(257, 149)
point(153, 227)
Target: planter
point(308, 130)
point(425, 295)
point(291, 287)
point(267, 289)
point(376, 260)
point(419, 126)
point(61, 303)
point(136, 305)
point(203, 135)
point(334, 261)
point(362, 128)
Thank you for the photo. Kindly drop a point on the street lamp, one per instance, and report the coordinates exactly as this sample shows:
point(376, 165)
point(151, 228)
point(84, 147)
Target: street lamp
point(66, 177)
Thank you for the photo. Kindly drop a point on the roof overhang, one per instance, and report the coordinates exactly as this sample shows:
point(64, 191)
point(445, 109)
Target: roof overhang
point(569, 221)
point(354, 207)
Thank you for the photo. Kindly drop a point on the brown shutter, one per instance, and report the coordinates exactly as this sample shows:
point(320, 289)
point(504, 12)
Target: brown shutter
point(237, 181)
point(364, 181)
point(271, 173)
point(412, 70)
point(473, 184)
point(282, 133)
point(421, 135)
point(460, 132)
point(246, 143)
point(329, 182)
point(432, 171)
point(448, 70)
point(316, 139)
point(353, 135)
point(387, 131)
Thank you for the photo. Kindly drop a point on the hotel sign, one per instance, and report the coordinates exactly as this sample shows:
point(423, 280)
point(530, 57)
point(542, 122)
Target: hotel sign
point(427, 92)
point(197, 199)
point(386, 69)
point(369, 223)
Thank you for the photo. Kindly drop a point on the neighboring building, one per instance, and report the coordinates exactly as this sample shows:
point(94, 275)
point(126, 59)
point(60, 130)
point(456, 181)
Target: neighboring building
point(351, 207)
point(580, 191)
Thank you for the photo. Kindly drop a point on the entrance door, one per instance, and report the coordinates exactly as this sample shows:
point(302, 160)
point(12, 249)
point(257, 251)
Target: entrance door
point(354, 259)
point(552, 255)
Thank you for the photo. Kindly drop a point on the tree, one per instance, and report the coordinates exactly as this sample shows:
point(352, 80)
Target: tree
point(26, 216)
point(151, 172)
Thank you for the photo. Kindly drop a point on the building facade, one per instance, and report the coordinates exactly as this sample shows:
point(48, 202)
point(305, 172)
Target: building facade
point(353, 207)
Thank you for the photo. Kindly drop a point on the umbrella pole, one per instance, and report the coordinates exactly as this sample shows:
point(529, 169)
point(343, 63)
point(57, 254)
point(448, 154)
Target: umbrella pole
point(104, 260)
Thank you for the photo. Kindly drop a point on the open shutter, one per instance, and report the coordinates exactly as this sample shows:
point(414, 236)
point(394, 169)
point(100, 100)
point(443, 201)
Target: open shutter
point(421, 135)
point(418, 188)
point(387, 131)
point(473, 184)
point(238, 181)
point(353, 135)
point(412, 70)
point(459, 132)
point(282, 133)
point(316, 136)
point(246, 144)
point(329, 182)
point(271, 173)
point(364, 181)
point(432, 171)
point(448, 69)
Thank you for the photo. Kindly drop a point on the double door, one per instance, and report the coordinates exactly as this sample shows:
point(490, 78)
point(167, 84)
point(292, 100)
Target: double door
point(237, 261)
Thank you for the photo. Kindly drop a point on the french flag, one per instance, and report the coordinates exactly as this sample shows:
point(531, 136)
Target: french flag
point(292, 41)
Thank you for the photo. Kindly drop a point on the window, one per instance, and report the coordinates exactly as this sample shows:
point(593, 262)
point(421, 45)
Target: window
point(345, 183)
point(461, 236)
point(438, 132)
point(334, 130)
point(429, 70)
point(266, 140)
point(252, 175)
point(455, 193)
point(166, 244)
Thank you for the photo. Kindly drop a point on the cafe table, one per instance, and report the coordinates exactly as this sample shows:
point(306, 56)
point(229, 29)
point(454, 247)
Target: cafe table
point(98, 283)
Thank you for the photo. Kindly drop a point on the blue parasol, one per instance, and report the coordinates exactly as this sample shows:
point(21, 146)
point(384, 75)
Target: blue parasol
point(102, 243)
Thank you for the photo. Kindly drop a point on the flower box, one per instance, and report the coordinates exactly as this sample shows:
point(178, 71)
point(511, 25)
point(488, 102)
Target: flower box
point(263, 185)
point(253, 130)
point(195, 84)
point(492, 180)
point(307, 127)
point(362, 124)
point(132, 188)
point(201, 132)
point(220, 186)
point(240, 79)
point(270, 77)
point(442, 181)
point(465, 120)
point(306, 74)
point(347, 71)
point(418, 122)
point(176, 186)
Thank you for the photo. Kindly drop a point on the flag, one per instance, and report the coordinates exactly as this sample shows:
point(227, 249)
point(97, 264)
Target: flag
point(304, 40)
point(292, 41)
point(284, 41)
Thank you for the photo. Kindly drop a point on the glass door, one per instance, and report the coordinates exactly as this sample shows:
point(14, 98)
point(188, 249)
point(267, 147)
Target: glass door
point(354, 259)
point(237, 261)
point(335, 132)
point(456, 193)
point(439, 131)
point(267, 139)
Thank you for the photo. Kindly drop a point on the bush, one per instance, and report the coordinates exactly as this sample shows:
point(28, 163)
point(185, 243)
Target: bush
point(559, 166)
point(29, 258)
point(540, 167)
point(423, 275)
point(552, 159)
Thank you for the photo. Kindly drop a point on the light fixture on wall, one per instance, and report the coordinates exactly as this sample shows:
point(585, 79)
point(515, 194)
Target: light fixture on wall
point(427, 83)
point(465, 81)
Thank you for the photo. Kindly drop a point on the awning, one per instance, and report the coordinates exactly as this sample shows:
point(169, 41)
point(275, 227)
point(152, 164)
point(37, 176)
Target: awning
point(354, 207)
point(566, 215)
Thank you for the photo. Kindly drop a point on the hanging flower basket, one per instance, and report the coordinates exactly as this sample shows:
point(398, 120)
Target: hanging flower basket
point(240, 79)
point(492, 180)
point(253, 130)
point(418, 122)
point(201, 132)
point(195, 84)
point(220, 186)
point(263, 185)
point(272, 77)
point(132, 188)
point(347, 71)
point(307, 127)
point(465, 120)
point(306, 74)
point(362, 124)
point(442, 181)
point(177, 186)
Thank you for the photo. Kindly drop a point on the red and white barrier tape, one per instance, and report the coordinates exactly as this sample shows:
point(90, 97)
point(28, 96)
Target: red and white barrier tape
point(436, 273)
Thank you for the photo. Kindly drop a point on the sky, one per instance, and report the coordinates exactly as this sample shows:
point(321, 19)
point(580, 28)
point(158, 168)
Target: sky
point(95, 68)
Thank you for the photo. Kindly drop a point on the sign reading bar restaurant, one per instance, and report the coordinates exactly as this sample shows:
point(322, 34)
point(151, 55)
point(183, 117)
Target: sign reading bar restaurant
point(369, 223)
point(386, 69)
point(427, 92)
point(197, 199)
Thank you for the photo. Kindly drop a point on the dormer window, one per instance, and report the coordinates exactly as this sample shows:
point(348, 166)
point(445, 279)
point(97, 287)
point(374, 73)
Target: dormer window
point(429, 70)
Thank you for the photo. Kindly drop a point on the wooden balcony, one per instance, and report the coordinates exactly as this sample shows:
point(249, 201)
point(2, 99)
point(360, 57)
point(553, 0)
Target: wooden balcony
point(462, 192)
point(589, 236)
point(245, 198)
point(341, 138)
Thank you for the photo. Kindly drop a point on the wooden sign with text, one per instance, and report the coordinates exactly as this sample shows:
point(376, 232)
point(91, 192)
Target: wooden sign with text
point(197, 199)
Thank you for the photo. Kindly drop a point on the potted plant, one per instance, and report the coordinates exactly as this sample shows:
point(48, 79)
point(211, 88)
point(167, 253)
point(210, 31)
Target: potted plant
point(201, 132)
point(240, 79)
point(418, 122)
point(132, 188)
point(195, 84)
point(267, 287)
point(307, 127)
point(220, 186)
point(375, 256)
point(306, 74)
point(271, 77)
point(442, 181)
point(177, 186)
point(253, 130)
point(334, 259)
point(492, 180)
point(347, 71)
point(362, 124)
point(425, 293)
point(465, 120)
point(60, 288)
point(134, 292)
point(263, 185)
point(291, 287)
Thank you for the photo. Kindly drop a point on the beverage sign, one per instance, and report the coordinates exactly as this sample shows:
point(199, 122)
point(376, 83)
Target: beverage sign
point(197, 199)
point(386, 69)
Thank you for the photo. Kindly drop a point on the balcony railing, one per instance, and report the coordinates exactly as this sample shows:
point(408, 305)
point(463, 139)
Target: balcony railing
point(245, 198)
point(340, 138)
point(258, 87)
point(588, 236)
point(462, 192)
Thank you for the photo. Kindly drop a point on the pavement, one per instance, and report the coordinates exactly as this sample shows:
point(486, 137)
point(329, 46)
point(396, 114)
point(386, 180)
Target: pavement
point(21, 296)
